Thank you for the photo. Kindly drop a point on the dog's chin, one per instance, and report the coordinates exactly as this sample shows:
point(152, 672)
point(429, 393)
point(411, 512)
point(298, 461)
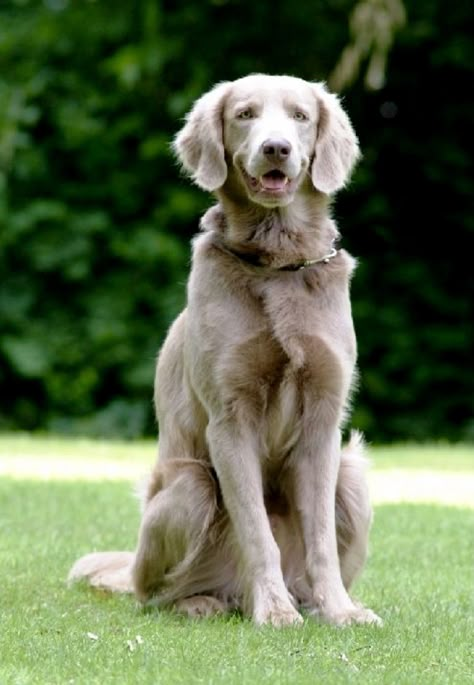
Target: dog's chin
point(272, 189)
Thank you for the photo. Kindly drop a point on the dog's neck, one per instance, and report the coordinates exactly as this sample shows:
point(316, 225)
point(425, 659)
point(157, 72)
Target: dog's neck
point(301, 231)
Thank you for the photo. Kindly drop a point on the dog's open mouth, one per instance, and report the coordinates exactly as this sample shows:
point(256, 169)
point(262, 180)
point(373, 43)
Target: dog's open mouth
point(274, 181)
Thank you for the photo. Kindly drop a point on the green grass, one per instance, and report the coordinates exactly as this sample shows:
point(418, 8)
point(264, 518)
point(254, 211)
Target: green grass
point(60, 499)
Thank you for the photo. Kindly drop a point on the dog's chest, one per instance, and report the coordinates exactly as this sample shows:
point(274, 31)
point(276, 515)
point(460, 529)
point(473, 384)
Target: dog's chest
point(298, 318)
point(291, 365)
point(265, 352)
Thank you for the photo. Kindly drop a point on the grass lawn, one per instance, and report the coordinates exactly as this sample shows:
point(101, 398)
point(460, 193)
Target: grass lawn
point(60, 499)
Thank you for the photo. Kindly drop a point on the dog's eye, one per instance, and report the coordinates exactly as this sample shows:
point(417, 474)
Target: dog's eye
point(246, 114)
point(300, 116)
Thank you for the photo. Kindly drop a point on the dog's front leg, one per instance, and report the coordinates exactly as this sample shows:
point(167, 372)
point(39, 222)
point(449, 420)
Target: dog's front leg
point(316, 465)
point(234, 454)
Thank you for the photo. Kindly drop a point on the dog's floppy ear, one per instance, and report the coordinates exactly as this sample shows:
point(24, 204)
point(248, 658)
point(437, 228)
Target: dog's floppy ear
point(199, 145)
point(337, 147)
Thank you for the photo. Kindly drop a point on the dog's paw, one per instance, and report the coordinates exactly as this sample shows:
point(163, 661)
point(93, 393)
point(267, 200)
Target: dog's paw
point(356, 614)
point(200, 606)
point(276, 611)
point(278, 617)
point(272, 604)
point(338, 609)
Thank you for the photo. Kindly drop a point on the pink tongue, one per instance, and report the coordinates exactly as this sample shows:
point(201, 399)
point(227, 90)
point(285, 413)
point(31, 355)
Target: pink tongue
point(270, 182)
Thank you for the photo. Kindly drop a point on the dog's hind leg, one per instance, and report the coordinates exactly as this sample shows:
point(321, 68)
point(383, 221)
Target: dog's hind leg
point(174, 533)
point(353, 510)
point(200, 606)
point(175, 556)
point(109, 571)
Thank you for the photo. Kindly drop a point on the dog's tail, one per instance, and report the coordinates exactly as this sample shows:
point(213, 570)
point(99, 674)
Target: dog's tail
point(353, 510)
point(111, 571)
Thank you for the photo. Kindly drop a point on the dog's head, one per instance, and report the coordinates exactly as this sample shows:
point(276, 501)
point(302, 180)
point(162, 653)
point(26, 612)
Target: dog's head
point(274, 131)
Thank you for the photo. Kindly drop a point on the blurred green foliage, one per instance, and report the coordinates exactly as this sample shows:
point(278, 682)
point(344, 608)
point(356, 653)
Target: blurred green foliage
point(95, 220)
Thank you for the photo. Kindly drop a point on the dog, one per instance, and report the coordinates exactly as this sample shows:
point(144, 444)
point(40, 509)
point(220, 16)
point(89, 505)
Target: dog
point(253, 503)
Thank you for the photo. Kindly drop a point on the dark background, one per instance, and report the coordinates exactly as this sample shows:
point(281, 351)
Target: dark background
point(95, 220)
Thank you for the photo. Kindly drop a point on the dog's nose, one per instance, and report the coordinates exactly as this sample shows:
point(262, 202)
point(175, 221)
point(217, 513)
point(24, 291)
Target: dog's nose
point(276, 149)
